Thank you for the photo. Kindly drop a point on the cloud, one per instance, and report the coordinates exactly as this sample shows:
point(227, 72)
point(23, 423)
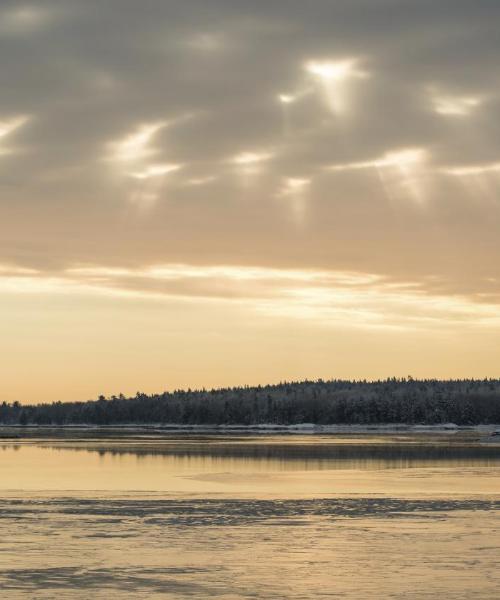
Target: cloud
point(328, 298)
point(114, 89)
point(402, 159)
point(153, 171)
point(16, 271)
point(136, 146)
point(335, 80)
point(7, 128)
point(206, 42)
point(401, 171)
point(479, 169)
point(455, 106)
point(133, 155)
point(23, 19)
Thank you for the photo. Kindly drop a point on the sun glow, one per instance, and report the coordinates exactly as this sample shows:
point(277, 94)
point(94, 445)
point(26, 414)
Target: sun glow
point(251, 158)
point(334, 78)
point(480, 169)
point(293, 184)
point(250, 164)
point(404, 159)
point(332, 71)
point(286, 99)
point(131, 156)
point(152, 171)
point(9, 127)
point(137, 145)
point(455, 107)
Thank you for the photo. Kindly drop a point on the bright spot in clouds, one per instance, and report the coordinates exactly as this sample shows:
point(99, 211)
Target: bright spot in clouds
point(457, 107)
point(286, 99)
point(332, 71)
point(250, 164)
point(334, 77)
point(155, 171)
point(251, 158)
point(132, 153)
point(293, 185)
point(479, 169)
point(403, 159)
point(136, 145)
point(8, 127)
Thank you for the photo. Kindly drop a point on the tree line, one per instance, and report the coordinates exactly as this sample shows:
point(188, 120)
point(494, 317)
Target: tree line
point(394, 400)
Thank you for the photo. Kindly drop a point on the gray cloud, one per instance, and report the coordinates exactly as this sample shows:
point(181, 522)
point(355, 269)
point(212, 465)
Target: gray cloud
point(89, 73)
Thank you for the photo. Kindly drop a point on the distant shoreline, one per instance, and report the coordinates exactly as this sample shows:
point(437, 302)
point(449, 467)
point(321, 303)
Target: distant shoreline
point(302, 428)
point(307, 406)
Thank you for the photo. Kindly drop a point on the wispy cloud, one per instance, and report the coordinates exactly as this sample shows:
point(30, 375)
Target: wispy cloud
point(455, 106)
point(133, 156)
point(9, 127)
point(328, 298)
point(477, 169)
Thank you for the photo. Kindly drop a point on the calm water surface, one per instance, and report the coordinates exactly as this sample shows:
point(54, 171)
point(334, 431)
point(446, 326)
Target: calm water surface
point(226, 516)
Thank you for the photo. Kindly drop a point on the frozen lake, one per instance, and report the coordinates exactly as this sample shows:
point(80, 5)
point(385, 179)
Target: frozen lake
point(249, 516)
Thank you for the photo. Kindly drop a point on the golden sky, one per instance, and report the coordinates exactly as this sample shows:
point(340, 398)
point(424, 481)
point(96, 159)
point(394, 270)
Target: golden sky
point(209, 193)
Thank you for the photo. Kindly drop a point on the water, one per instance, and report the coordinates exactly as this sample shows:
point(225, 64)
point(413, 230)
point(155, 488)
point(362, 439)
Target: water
point(225, 516)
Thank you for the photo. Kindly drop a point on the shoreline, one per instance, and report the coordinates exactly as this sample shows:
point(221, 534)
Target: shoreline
point(303, 428)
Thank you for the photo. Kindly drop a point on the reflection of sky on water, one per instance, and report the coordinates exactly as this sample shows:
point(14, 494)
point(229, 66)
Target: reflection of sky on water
point(283, 465)
point(296, 517)
point(295, 454)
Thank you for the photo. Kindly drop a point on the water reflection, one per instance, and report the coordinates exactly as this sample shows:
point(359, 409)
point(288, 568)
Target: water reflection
point(295, 453)
point(300, 517)
point(253, 465)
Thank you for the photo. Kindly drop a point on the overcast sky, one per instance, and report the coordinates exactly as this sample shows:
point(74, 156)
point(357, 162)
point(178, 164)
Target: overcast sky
point(216, 192)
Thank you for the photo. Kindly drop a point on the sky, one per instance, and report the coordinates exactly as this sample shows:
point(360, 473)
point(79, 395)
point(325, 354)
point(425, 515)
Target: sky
point(207, 193)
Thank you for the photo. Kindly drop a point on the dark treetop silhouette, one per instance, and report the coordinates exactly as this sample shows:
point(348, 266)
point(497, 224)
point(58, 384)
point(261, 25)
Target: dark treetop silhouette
point(464, 402)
